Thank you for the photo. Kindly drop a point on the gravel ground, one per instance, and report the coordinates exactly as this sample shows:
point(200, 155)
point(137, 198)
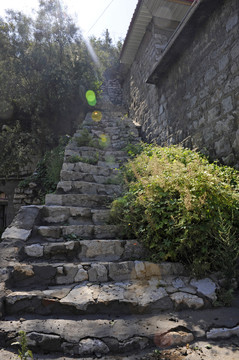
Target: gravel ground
point(199, 351)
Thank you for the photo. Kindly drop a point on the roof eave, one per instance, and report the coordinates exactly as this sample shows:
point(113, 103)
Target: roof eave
point(183, 36)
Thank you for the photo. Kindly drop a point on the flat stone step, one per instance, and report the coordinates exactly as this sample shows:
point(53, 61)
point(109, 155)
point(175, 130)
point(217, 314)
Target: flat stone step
point(85, 187)
point(40, 275)
point(84, 338)
point(86, 250)
point(79, 200)
point(105, 155)
point(86, 156)
point(113, 338)
point(73, 149)
point(113, 297)
point(71, 215)
point(109, 157)
point(124, 297)
point(90, 169)
point(93, 161)
point(74, 176)
point(82, 232)
point(113, 126)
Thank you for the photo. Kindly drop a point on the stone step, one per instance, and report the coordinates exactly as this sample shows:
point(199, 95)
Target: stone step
point(104, 139)
point(115, 123)
point(85, 187)
point(117, 143)
point(90, 338)
point(79, 200)
point(72, 147)
point(86, 250)
point(92, 153)
point(82, 232)
point(108, 134)
point(93, 161)
point(121, 297)
point(97, 170)
point(40, 275)
point(80, 176)
point(73, 215)
point(110, 119)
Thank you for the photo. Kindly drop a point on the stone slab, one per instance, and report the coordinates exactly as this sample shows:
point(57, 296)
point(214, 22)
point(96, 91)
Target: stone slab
point(15, 233)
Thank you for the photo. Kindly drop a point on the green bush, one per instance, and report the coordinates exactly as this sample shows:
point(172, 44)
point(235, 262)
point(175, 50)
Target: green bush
point(76, 158)
point(182, 208)
point(47, 174)
point(86, 139)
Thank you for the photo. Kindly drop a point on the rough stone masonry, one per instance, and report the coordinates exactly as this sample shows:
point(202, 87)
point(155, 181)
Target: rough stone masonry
point(75, 287)
point(194, 98)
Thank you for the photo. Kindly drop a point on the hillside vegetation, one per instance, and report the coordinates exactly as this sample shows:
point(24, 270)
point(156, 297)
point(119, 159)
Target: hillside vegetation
point(45, 70)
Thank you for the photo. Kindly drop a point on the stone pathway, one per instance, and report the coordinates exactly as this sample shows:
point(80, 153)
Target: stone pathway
point(75, 287)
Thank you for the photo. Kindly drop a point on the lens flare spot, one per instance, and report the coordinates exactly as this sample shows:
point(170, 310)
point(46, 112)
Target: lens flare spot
point(104, 140)
point(92, 103)
point(96, 116)
point(90, 97)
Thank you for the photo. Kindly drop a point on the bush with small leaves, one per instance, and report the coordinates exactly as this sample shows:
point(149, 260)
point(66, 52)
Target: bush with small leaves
point(182, 207)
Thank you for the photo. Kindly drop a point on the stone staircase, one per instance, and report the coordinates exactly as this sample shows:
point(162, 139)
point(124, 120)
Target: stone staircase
point(67, 277)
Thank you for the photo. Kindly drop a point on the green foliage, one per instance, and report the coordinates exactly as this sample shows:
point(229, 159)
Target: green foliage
point(23, 353)
point(84, 139)
point(182, 207)
point(224, 296)
point(76, 158)
point(17, 147)
point(106, 52)
point(48, 169)
point(45, 70)
point(116, 180)
point(72, 236)
point(134, 149)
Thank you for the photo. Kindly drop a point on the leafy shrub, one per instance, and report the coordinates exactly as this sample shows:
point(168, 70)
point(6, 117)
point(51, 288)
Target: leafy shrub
point(182, 207)
point(17, 148)
point(23, 353)
point(48, 169)
point(134, 149)
point(85, 139)
point(76, 158)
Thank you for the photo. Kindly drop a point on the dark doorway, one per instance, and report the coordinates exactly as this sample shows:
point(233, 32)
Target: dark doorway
point(3, 206)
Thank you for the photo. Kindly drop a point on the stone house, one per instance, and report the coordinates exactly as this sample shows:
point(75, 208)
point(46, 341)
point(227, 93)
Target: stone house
point(180, 65)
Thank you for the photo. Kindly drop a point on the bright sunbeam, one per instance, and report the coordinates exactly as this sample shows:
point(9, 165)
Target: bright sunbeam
point(91, 51)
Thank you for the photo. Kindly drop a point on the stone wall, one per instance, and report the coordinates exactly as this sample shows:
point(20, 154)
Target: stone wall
point(141, 98)
point(197, 98)
point(14, 195)
point(26, 196)
point(7, 187)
